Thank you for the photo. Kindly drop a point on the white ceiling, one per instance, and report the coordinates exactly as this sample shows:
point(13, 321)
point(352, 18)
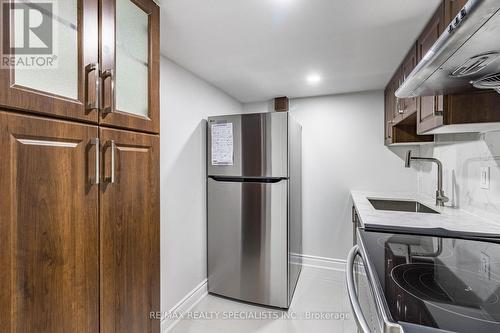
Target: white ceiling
point(259, 49)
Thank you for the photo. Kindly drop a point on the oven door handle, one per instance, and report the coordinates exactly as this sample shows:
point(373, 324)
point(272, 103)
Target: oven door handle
point(351, 290)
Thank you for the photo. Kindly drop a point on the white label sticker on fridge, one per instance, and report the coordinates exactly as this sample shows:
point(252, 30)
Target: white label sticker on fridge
point(222, 144)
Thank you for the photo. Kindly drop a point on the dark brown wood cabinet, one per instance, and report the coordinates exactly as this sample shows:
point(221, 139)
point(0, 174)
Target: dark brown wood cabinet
point(67, 88)
point(464, 111)
point(405, 132)
point(430, 108)
point(79, 222)
point(388, 116)
point(400, 114)
point(396, 103)
point(49, 239)
point(129, 215)
point(408, 106)
point(402, 107)
point(130, 101)
point(416, 119)
point(61, 239)
point(106, 66)
point(452, 8)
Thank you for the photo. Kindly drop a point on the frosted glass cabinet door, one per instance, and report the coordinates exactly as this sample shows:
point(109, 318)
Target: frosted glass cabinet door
point(130, 59)
point(49, 50)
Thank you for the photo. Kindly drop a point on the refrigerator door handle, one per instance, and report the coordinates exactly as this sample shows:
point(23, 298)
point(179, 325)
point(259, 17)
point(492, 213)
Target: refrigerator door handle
point(269, 180)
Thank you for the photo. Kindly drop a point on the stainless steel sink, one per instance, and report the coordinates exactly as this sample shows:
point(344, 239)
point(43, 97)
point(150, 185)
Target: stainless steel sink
point(401, 206)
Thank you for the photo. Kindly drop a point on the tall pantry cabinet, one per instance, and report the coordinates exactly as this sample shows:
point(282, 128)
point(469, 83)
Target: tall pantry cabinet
point(79, 173)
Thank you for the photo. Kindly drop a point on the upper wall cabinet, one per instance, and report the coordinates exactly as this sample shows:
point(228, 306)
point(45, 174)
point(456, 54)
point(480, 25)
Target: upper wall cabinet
point(430, 108)
point(400, 113)
point(55, 68)
point(416, 119)
point(453, 113)
point(62, 70)
point(472, 112)
point(409, 105)
point(130, 64)
point(452, 8)
point(388, 116)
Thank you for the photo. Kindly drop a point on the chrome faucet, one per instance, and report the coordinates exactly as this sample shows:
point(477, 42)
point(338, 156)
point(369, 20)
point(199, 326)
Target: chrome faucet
point(440, 197)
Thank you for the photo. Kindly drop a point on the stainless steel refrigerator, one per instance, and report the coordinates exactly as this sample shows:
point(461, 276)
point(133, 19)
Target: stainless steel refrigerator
point(254, 204)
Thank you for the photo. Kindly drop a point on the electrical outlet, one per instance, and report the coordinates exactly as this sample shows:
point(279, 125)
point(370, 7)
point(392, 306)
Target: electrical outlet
point(485, 265)
point(484, 181)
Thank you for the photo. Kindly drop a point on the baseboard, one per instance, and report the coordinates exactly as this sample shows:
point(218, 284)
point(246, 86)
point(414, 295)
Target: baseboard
point(320, 262)
point(184, 305)
point(201, 290)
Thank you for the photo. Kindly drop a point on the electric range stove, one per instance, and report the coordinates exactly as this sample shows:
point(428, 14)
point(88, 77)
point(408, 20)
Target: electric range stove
point(421, 283)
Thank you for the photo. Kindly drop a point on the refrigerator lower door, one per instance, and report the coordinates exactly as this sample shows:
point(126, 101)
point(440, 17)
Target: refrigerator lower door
point(247, 241)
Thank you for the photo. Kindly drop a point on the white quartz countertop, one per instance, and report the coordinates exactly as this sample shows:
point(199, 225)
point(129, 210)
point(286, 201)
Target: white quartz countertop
point(449, 218)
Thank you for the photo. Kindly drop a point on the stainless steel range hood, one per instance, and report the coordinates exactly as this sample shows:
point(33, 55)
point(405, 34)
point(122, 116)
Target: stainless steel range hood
point(466, 57)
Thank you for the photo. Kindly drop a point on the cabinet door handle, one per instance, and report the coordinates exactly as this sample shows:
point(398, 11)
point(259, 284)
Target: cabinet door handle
point(400, 106)
point(94, 67)
point(105, 75)
point(113, 151)
point(437, 105)
point(110, 144)
point(96, 142)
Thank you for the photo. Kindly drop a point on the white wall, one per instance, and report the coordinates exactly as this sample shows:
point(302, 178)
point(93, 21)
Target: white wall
point(343, 150)
point(186, 101)
point(462, 156)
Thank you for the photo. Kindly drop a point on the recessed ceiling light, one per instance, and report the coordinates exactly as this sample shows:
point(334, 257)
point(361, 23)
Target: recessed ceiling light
point(313, 78)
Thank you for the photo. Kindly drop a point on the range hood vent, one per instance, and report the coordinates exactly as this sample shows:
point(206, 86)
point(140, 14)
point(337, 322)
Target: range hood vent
point(464, 58)
point(489, 82)
point(475, 64)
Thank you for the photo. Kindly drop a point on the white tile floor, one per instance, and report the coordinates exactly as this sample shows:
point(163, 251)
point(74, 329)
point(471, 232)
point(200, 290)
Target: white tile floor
point(319, 292)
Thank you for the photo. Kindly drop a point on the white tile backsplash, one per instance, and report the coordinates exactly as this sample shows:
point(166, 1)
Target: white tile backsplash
point(462, 156)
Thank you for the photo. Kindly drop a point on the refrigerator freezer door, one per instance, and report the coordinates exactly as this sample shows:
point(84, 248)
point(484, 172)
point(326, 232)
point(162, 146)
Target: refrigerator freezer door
point(257, 147)
point(247, 241)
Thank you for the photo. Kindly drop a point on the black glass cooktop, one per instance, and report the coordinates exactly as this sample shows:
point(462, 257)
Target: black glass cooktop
point(447, 283)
